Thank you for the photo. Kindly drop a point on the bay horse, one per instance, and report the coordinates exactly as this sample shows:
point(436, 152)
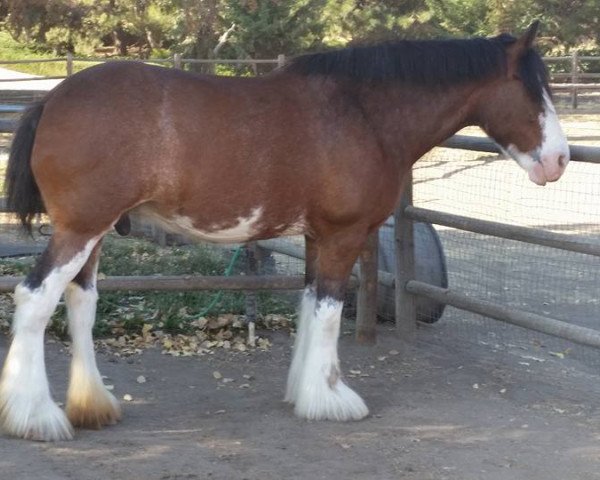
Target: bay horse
point(319, 148)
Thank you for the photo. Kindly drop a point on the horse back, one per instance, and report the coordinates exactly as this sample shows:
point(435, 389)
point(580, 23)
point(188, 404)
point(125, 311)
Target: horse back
point(208, 149)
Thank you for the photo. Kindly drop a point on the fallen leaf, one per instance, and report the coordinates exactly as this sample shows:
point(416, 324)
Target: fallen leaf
point(560, 355)
point(146, 329)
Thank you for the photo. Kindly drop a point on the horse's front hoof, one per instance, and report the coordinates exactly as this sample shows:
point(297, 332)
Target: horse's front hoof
point(93, 409)
point(337, 402)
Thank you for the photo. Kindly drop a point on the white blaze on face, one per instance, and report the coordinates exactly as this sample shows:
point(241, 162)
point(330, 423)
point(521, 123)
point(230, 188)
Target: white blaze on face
point(547, 162)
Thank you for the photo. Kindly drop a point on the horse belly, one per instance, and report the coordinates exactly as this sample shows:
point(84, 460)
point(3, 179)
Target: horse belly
point(242, 229)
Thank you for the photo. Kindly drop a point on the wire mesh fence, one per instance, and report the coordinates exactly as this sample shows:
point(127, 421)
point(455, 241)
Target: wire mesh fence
point(560, 284)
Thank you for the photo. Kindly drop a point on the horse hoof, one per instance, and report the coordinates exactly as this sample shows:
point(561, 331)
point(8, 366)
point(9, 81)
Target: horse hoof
point(338, 402)
point(93, 411)
point(44, 423)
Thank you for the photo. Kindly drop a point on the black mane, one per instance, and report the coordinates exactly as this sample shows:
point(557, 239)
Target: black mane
point(428, 62)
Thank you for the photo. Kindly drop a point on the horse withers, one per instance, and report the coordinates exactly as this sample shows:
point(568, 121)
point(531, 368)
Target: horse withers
point(319, 148)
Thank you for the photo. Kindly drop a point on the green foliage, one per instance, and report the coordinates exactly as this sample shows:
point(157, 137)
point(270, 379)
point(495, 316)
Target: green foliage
point(270, 27)
point(565, 24)
point(266, 28)
point(371, 20)
point(461, 17)
point(10, 49)
point(171, 309)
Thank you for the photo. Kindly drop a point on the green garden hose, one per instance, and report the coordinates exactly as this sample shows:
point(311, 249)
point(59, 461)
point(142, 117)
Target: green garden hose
point(227, 273)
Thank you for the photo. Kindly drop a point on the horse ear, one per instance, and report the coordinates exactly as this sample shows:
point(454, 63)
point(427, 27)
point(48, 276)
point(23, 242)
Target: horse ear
point(528, 37)
point(522, 45)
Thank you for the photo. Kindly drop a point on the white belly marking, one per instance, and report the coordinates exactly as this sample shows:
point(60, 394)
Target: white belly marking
point(244, 228)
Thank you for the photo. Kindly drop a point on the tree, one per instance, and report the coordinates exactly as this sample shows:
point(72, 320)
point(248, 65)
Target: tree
point(373, 20)
point(53, 24)
point(265, 28)
point(197, 26)
point(143, 25)
point(270, 27)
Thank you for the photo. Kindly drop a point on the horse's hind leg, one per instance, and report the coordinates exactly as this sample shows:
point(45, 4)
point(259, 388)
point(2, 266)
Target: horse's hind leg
point(26, 406)
point(321, 392)
point(89, 403)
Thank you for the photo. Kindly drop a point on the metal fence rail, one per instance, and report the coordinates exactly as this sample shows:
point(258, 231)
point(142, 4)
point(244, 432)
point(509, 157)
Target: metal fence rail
point(536, 236)
point(514, 316)
point(405, 279)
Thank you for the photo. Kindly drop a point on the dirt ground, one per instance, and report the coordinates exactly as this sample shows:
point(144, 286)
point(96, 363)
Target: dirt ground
point(438, 411)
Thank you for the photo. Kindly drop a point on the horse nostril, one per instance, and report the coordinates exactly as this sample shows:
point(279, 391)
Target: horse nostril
point(561, 160)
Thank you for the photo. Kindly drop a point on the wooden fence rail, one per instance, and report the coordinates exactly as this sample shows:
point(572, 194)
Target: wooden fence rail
point(181, 283)
point(566, 80)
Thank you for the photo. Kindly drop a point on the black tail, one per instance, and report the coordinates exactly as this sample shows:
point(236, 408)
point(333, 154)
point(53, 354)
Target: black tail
point(22, 193)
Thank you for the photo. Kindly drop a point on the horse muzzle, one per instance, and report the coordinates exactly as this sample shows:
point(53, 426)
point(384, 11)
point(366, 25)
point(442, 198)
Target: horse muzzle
point(548, 168)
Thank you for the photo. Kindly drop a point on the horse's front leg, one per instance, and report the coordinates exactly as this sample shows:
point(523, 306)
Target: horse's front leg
point(89, 403)
point(26, 406)
point(304, 321)
point(321, 392)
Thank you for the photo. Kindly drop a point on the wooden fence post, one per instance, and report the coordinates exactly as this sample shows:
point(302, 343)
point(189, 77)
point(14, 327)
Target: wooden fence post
point(406, 309)
point(366, 309)
point(251, 302)
point(177, 61)
point(69, 64)
point(574, 77)
point(280, 60)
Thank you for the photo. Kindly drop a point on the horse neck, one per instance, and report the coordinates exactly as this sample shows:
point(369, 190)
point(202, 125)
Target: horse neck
point(411, 120)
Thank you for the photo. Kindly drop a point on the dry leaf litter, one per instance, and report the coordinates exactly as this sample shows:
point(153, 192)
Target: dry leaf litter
point(205, 335)
point(226, 331)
